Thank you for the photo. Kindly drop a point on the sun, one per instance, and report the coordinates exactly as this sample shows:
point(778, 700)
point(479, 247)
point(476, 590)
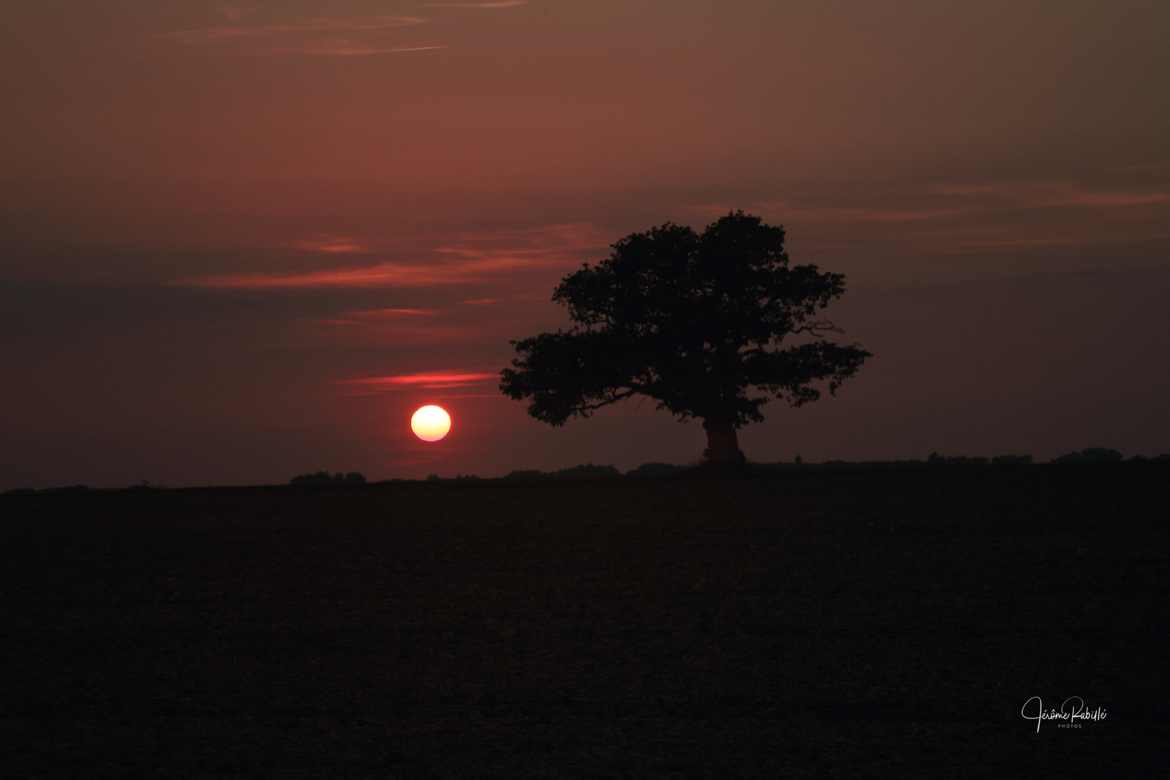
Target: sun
point(430, 422)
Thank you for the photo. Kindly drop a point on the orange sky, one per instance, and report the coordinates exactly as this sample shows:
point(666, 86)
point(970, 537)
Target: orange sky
point(244, 240)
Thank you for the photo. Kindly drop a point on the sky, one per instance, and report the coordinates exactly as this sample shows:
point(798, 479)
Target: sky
point(243, 241)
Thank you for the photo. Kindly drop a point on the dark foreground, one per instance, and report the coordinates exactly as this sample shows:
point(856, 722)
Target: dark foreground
point(865, 623)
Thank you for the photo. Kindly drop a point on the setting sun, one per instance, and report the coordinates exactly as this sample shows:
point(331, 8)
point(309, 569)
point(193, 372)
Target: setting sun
point(430, 423)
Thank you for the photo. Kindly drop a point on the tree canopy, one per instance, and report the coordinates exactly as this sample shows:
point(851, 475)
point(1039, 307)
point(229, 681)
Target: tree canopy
point(698, 322)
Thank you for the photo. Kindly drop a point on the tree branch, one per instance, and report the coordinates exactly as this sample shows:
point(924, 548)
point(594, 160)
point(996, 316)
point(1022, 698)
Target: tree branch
point(818, 328)
point(613, 398)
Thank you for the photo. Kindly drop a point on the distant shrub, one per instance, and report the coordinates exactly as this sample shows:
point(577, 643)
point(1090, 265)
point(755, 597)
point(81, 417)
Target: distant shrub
point(956, 460)
point(325, 478)
point(1012, 460)
point(525, 474)
point(316, 478)
point(654, 470)
point(765, 468)
point(1091, 455)
point(584, 471)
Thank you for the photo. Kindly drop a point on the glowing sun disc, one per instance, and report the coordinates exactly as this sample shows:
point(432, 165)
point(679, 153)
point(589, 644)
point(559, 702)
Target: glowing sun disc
point(430, 422)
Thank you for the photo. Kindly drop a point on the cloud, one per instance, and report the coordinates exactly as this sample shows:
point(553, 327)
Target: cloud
point(872, 214)
point(234, 13)
point(486, 4)
point(379, 275)
point(334, 245)
point(392, 313)
point(1151, 167)
point(351, 49)
point(992, 244)
point(466, 259)
point(480, 301)
point(574, 239)
point(1012, 244)
point(364, 316)
point(239, 31)
point(954, 203)
point(315, 26)
point(1113, 199)
point(786, 212)
point(1055, 195)
point(967, 190)
point(358, 36)
point(439, 380)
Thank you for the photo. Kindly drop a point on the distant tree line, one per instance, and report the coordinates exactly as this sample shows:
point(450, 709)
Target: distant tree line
point(964, 460)
point(325, 478)
point(584, 471)
point(1097, 455)
point(935, 459)
point(1090, 455)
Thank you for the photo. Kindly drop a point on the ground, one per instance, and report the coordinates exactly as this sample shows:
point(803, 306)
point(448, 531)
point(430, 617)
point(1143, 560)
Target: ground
point(882, 622)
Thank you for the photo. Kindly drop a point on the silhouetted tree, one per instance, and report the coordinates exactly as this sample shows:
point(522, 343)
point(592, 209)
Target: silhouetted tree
point(586, 471)
point(525, 474)
point(655, 470)
point(1091, 455)
point(695, 322)
point(325, 478)
point(1012, 460)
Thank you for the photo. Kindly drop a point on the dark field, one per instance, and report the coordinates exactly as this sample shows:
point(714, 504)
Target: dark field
point(854, 622)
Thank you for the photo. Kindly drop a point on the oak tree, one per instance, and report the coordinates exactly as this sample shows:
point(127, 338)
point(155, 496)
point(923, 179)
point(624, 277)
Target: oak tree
point(711, 326)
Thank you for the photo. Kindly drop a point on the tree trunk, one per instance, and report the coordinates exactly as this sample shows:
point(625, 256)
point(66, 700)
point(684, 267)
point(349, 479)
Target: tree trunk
point(722, 444)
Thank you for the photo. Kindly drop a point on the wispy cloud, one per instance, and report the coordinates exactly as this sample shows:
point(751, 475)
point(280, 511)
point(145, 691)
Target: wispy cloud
point(330, 245)
point(430, 381)
point(569, 240)
point(1112, 199)
point(351, 49)
point(873, 214)
point(366, 316)
point(1055, 195)
point(234, 13)
point(480, 301)
point(327, 25)
point(1012, 244)
point(1149, 167)
point(357, 36)
point(467, 258)
point(378, 275)
point(952, 202)
point(487, 4)
point(785, 211)
point(393, 313)
point(967, 190)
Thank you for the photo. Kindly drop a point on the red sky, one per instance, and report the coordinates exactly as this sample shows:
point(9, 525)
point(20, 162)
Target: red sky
point(244, 240)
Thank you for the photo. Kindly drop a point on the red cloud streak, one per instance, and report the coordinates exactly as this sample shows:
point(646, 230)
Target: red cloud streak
point(384, 274)
point(442, 379)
